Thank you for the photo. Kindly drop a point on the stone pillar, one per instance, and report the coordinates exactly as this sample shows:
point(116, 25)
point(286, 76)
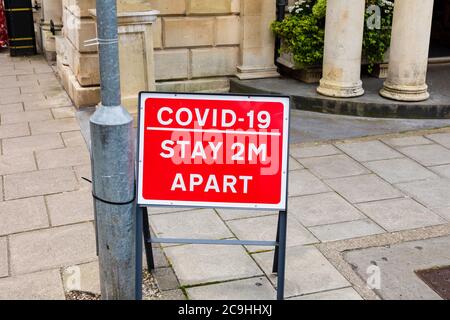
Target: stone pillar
point(257, 45)
point(344, 30)
point(410, 42)
point(137, 70)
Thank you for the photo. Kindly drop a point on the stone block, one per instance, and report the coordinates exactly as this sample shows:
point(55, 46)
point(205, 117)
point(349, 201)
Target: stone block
point(78, 30)
point(80, 8)
point(188, 32)
point(227, 30)
point(82, 96)
point(52, 248)
point(208, 7)
point(172, 7)
point(157, 34)
point(85, 67)
point(23, 215)
point(214, 61)
point(171, 64)
point(209, 85)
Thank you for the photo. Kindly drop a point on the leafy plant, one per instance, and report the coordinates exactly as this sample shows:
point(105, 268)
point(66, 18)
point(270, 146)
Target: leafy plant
point(303, 31)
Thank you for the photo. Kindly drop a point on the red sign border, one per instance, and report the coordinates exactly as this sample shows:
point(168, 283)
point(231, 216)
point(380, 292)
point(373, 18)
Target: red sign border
point(285, 100)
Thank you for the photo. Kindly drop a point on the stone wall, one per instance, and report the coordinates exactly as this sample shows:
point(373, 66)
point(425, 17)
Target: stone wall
point(196, 44)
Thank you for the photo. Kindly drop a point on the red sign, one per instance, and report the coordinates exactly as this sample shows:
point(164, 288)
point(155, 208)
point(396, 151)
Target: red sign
point(213, 150)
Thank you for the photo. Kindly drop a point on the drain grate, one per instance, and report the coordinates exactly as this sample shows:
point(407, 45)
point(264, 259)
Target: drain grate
point(437, 279)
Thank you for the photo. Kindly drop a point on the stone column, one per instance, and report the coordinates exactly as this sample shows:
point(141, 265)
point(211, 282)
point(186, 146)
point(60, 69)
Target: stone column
point(257, 45)
point(344, 29)
point(410, 42)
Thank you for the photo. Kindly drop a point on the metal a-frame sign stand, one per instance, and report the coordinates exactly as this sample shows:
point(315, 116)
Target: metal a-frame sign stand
point(143, 227)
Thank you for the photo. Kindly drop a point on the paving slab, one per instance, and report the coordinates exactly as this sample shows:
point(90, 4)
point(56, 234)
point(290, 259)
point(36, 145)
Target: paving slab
point(443, 171)
point(52, 126)
point(400, 214)
point(400, 170)
point(36, 183)
point(26, 116)
point(443, 212)
point(339, 294)
point(307, 271)
point(302, 182)
point(441, 138)
point(166, 279)
point(233, 214)
point(346, 230)
point(73, 139)
point(10, 108)
point(70, 207)
point(20, 145)
point(45, 285)
point(294, 164)
point(14, 130)
point(248, 289)
point(3, 257)
point(337, 166)
point(397, 264)
point(406, 141)
point(23, 215)
point(432, 193)
point(265, 229)
point(200, 224)
point(10, 164)
point(64, 157)
point(300, 152)
point(368, 150)
point(320, 209)
point(52, 248)
point(200, 264)
point(83, 277)
point(63, 112)
point(363, 188)
point(428, 155)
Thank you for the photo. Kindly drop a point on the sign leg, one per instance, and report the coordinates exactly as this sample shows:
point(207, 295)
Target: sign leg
point(147, 238)
point(277, 250)
point(282, 255)
point(138, 253)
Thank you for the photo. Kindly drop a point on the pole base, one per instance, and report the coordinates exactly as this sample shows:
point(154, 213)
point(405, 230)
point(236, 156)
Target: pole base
point(333, 89)
point(405, 93)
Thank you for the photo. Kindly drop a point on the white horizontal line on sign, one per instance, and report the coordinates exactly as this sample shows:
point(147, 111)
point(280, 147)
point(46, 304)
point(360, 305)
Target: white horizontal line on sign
point(216, 131)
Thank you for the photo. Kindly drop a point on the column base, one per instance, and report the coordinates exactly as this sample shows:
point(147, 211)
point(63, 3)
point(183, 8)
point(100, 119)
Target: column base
point(405, 93)
point(245, 73)
point(332, 89)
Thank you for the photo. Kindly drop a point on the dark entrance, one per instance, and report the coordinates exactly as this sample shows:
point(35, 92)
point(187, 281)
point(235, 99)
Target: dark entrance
point(440, 33)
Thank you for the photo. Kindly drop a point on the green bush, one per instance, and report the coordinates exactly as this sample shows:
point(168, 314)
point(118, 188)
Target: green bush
point(303, 32)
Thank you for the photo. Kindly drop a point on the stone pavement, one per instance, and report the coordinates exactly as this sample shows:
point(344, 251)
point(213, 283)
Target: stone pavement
point(345, 198)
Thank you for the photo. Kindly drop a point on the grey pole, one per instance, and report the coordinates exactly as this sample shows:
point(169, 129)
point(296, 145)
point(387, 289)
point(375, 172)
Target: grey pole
point(112, 156)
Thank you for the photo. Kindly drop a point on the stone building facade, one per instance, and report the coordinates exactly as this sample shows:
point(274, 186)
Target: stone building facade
point(198, 45)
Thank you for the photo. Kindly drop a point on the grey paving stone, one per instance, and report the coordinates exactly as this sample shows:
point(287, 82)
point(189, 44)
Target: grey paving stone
point(265, 229)
point(166, 279)
point(363, 188)
point(400, 170)
point(14, 146)
point(443, 171)
point(307, 271)
point(400, 214)
point(23, 215)
point(319, 209)
point(63, 112)
point(441, 138)
point(3, 257)
point(406, 141)
point(300, 152)
point(346, 230)
point(52, 248)
point(302, 182)
point(70, 207)
point(26, 116)
point(14, 164)
point(22, 98)
point(45, 285)
point(428, 155)
point(83, 277)
point(64, 157)
point(11, 108)
point(431, 193)
point(248, 289)
point(200, 224)
point(339, 294)
point(14, 130)
point(334, 166)
point(396, 265)
point(163, 210)
point(368, 150)
point(36, 183)
point(199, 264)
point(172, 295)
point(51, 126)
point(294, 164)
point(73, 139)
point(233, 214)
point(443, 212)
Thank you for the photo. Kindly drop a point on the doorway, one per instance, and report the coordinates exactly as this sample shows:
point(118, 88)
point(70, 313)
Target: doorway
point(440, 32)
